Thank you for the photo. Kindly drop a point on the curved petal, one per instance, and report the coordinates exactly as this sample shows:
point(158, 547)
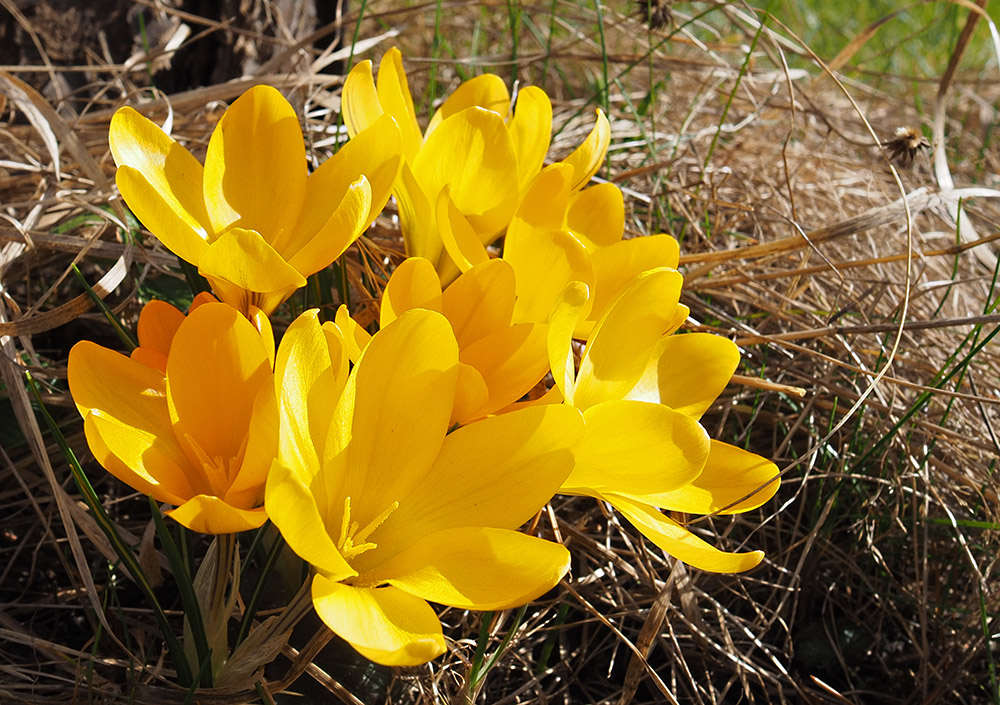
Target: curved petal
point(487, 91)
point(732, 481)
point(544, 263)
point(360, 104)
point(126, 421)
point(638, 450)
point(414, 284)
point(247, 488)
point(511, 361)
point(394, 96)
point(471, 395)
point(472, 152)
point(596, 216)
point(623, 341)
point(679, 542)
point(293, 508)
point(688, 372)
point(531, 131)
point(481, 301)
point(355, 337)
point(476, 568)
point(417, 218)
point(460, 240)
point(210, 515)
point(385, 625)
point(158, 322)
point(544, 203)
point(161, 182)
point(255, 168)
point(588, 157)
point(338, 233)
point(496, 472)
point(567, 311)
point(211, 396)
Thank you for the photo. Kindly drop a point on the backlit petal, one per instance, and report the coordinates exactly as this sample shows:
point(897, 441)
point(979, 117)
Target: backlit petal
point(339, 232)
point(461, 242)
point(544, 263)
point(355, 337)
point(360, 104)
point(732, 477)
point(679, 542)
point(567, 311)
point(511, 361)
point(687, 372)
point(413, 284)
point(471, 395)
point(531, 131)
point(158, 322)
point(637, 449)
point(394, 96)
point(481, 301)
point(596, 216)
point(255, 168)
point(210, 515)
point(247, 488)
point(546, 199)
point(486, 91)
point(623, 341)
point(417, 218)
point(588, 157)
point(385, 625)
point(477, 568)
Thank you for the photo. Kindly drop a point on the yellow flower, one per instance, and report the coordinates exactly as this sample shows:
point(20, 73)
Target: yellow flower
point(642, 392)
point(391, 509)
point(252, 220)
point(201, 431)
point(498, 362)
point(475, 160)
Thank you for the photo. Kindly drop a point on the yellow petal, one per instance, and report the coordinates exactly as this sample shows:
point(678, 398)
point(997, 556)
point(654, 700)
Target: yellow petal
point(623, 341)
point(679, 542)
point(511, 361)
point(496, 472)
point(637, 449)
point(567, 311)
point(588, 157)
point(394, 96)
point(255, 168)
point(259, 320)
point(546, 199)
point(339, 232)
point(360, 105)
point(247, 488)
point(211, 515)
point(385, 625)
point(417, 218)
point(732, 481)
point(544, 263)
point(486, 91)
point(531, 131)
point(394, 413)
point(217, 366)
point(687, 372)
point(477, 568)
point(617, 265)
point(158, 322)
point(472, 152)
point(293, 508)
point(414, 284)
point(244, 269)
point(596, 216)
point(161, 182)
point(481, 301)
point(460, 240)
point(471, 395)
point(355, 337)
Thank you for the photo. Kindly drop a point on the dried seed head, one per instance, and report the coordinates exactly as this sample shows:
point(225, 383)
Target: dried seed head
point(655, 14)
point(905, 144)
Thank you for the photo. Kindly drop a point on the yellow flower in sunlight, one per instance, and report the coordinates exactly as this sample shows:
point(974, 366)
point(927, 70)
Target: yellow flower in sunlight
point(252, 220)
point(391, 509)
point(642, 392)
point(200, 432)
point(473, 163)
point(498, 362)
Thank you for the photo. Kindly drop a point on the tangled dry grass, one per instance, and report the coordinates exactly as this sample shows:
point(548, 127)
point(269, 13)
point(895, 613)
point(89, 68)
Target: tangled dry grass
point(860, 284)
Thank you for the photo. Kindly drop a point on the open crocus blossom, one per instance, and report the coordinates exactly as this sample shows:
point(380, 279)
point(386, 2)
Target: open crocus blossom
point(252, 220)
point(469, 170)
point(391, 509)
point(642, 392)
point(498, 362)
point(201, 431)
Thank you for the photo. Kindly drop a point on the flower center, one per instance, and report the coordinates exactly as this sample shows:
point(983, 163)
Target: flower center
point(353, 538)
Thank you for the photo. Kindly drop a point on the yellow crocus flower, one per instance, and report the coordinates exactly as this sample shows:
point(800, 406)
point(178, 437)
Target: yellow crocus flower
point(252, 220)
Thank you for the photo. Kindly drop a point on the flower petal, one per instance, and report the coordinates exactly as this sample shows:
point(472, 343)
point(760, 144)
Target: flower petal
point(360, 104)
point(460, 240)
point(481, 301)
point(158, 322)
point(385, 625)
point(413, 284)
point(161, 182)
point(486, 91)
point(544, 263)
point(247, 488)
point(255, 168)
point(476, 568)
point(732, 481)
point(339, 232)
point(531, 131)
point(355, 337)
point(472, 152)
point(688, 372)
point(623, 341)
point(544, 203)
point(638, 450)
point(679, 542)
point(588, 157)
point(511, 362)
point(471, 395)
point(210, 515)
point(394, 96)
point(596, 216)
point(565, 314)
point(417, 218)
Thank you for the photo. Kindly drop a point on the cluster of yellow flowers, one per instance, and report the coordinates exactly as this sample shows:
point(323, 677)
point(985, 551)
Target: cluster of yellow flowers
point(401, 464)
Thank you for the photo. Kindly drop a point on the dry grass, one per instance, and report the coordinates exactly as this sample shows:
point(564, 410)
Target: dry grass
point(837, 272)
